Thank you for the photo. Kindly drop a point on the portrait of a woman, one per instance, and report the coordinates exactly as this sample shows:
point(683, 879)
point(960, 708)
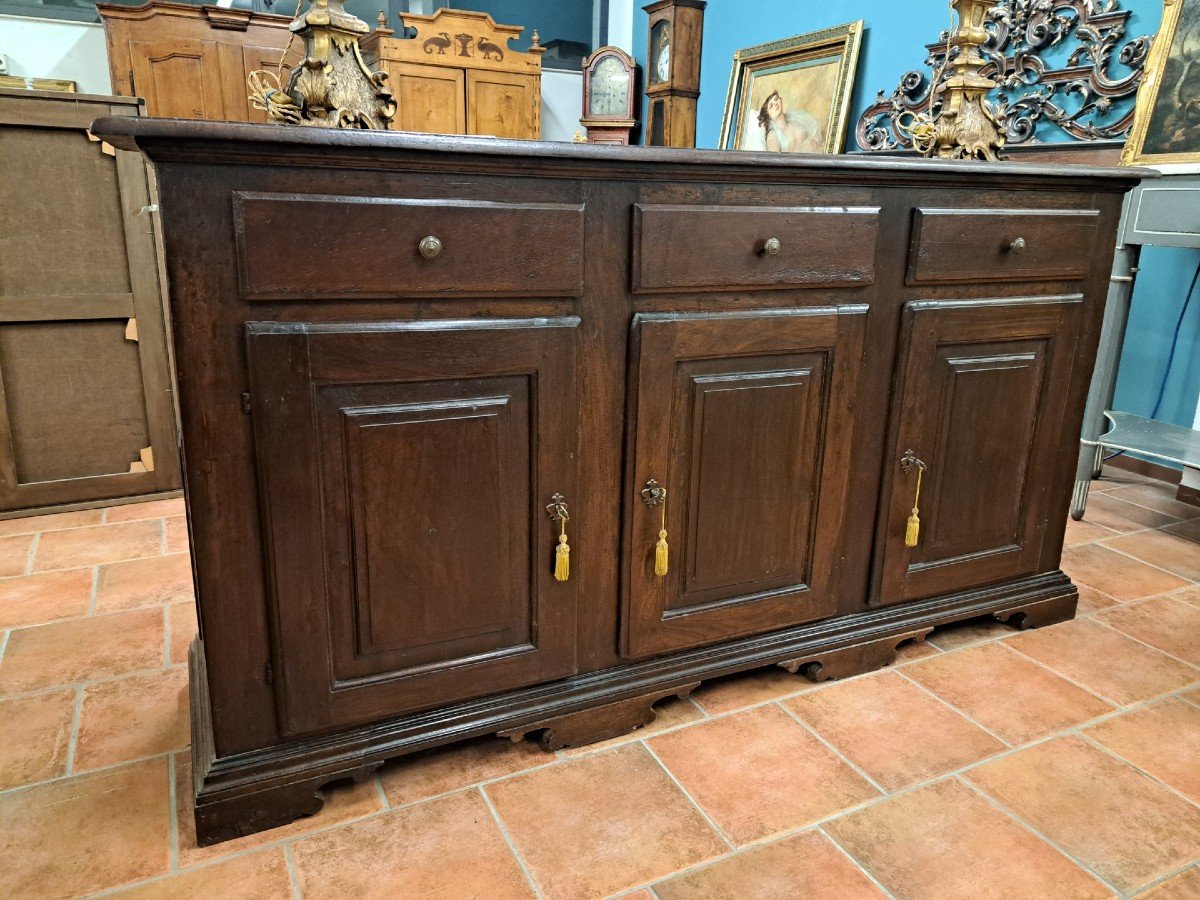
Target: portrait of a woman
point(789, 131)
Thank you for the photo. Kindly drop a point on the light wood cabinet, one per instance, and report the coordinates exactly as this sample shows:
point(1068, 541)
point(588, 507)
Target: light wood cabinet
point(191, 62)
point(459, 76)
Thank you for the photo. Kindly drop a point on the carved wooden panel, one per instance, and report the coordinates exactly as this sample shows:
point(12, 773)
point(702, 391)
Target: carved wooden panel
point(543, 247)
point(708, 248)
point(981, 400)
point(958, 246)
point(407, 518)
point(737, 415)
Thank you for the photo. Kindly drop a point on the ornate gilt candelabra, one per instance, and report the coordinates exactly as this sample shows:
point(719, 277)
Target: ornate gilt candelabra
point(966, 126)
point(332, 86)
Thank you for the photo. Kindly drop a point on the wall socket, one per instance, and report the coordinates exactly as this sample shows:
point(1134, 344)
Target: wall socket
point(3, 64)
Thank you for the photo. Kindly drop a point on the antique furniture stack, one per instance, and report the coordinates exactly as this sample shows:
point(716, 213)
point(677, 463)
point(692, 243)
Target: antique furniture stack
point(86, 409)
point(783, 410)
point(191, 62)
point(458, 75)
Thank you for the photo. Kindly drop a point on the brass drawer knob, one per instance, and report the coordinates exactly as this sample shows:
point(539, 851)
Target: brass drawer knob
point(770, 247)
point(430, 247)
point(1016, 246)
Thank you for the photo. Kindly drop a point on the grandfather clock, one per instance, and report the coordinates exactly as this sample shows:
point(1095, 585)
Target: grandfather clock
point(609, 96)
point(676, 28)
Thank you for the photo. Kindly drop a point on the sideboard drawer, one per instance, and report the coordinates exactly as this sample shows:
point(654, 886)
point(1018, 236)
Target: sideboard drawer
point(956, 246)
point(716, 248)
point(394, 247)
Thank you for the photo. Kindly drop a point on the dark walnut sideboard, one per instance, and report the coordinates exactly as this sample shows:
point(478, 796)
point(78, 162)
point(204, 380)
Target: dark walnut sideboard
point(399, 353)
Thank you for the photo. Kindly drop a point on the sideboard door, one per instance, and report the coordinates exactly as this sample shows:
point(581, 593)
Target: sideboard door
point(745, 419)
point(980, 399)
point(179, 77)
point(405, 469)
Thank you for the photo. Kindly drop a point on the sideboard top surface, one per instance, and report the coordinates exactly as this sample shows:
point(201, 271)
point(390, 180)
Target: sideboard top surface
point(234, 142)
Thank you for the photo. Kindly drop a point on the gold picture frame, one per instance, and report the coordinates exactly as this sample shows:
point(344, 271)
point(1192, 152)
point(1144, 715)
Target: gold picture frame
point(812, 73)
point(1166, 119)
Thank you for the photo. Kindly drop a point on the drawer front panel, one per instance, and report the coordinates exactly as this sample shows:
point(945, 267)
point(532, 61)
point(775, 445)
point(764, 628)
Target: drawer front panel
point(716, 248)
point(957, 246)
point(371, 247)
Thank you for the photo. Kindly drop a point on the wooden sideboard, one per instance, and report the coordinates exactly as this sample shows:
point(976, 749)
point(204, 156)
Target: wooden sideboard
point(395, 350)
point(191, 62)
point(86, 410)
point(458, 75)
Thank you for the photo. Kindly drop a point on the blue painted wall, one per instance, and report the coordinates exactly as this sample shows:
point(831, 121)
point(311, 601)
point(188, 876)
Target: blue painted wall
point(894, 43)
point(569, 20)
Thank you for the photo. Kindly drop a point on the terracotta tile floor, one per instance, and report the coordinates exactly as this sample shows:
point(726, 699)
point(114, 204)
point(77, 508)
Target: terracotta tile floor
point(1057, 763)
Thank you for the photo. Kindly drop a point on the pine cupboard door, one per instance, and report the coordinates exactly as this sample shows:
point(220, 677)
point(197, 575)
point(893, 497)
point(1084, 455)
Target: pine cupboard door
point(503, 105)
point(431, 99)
point(405, 469)
point(980, 399)
point(745, 418)
point(179, 78)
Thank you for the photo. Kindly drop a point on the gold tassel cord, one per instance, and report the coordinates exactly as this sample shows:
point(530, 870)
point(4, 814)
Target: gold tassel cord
point(660, 549)
point(562, 554)
point(912, 531)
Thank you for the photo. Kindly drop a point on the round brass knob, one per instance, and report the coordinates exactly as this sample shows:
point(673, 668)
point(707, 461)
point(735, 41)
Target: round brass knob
point(430, 247)
point(771, 247)
point(1017, 245)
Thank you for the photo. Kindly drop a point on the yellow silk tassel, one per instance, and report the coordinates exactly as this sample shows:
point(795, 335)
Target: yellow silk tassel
point(660, 553)
point(912, 530)
point(562, 556)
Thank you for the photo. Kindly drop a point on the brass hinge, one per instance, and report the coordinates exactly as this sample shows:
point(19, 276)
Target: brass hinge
point(246, 402)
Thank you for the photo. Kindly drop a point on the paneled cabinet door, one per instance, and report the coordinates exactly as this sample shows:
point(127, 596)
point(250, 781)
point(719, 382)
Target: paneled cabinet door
point(502, 105)
point(745, 419)
point(179, 77)
point(405, 470)
point(980, 402)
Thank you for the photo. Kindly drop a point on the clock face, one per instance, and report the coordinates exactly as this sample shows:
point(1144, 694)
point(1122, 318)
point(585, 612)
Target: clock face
point(660, 52)
point(609, 94)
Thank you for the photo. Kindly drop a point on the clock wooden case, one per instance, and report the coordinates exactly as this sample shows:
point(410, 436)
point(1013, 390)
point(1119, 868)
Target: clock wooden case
point(676, 31)
point(609, 95)
point(472, 337)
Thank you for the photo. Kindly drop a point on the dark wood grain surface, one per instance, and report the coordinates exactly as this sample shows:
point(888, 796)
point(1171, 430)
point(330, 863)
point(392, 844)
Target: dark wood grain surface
point(370, 442)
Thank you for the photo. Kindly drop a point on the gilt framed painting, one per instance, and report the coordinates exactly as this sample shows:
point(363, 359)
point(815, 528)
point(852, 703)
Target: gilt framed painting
point(793, 95)
point(1166, 122)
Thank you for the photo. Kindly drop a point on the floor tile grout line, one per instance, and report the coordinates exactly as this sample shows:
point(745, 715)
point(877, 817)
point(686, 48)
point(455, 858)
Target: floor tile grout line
point(1151, 508)
point(76, 722)
point(57, 779)
point(97, 615)
point(686, 793)
point(833, 749)
point(172, 819)
point(854, 860)
point(289, 863)
point(954, 709)
point(166, 630)
point(1108, 751)
point(89, 682)
point(3, 647)
point(1046, 667)
point(381, 791)
point(1145, 562)
point(512, 844)
point(31, 553)
point(1150, 885)
point(104, 562)
point(91, 610)
point(1021, 822)
point(1166, 653)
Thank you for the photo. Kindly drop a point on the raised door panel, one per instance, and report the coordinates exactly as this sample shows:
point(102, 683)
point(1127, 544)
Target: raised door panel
point(252, 57)
point(501, 105)
point(407, 468)
point(980, 401)
point(744, 419)
point(429, 98)
point(179, 78)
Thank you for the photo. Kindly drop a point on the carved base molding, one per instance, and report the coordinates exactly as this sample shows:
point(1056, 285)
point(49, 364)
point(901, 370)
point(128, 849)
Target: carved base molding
point(597, 723)
point(249, 792)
